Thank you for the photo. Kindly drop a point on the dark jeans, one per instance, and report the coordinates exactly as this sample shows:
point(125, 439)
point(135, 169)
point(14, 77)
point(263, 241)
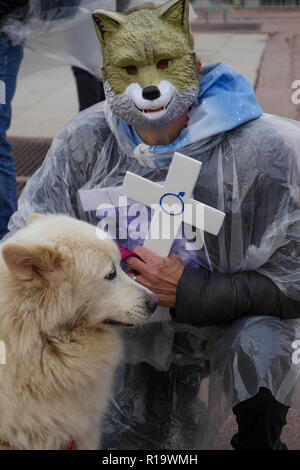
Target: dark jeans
point(122, 5)
point(89, 88)
point(260, 421)
point(10, 59)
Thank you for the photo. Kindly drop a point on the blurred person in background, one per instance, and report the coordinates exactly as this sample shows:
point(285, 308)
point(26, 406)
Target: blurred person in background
point(89, 87)
point(10, 59)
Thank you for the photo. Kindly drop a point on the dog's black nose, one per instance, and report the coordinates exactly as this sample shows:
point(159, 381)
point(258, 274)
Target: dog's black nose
point(152, 303)
point(151, 93)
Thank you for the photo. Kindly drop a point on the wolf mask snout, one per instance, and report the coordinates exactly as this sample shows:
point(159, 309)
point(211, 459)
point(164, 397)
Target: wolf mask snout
point(151, 93)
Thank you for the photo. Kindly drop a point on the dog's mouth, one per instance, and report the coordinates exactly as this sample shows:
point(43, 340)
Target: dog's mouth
point(116, 324)
point(156, 110)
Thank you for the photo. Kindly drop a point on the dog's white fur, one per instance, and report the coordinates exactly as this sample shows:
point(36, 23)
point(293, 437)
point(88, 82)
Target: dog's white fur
point(60, 357)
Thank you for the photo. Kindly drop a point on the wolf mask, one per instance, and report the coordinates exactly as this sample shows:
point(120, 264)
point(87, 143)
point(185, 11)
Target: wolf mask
point(149, 67)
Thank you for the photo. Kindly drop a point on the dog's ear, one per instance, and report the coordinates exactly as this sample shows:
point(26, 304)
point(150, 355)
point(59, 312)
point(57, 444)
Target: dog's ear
point(41, 263)
point(34, 217)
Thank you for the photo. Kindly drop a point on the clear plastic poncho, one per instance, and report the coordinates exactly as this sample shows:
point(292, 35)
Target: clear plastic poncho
point(178, 382)
point(61, 30)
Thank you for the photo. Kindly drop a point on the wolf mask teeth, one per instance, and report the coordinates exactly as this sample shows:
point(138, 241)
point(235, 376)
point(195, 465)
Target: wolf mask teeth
point(149, 67)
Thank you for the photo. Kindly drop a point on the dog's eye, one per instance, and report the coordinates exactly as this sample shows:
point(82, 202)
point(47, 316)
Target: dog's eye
point(162, 64)
point(131, 70)
point(111, 275)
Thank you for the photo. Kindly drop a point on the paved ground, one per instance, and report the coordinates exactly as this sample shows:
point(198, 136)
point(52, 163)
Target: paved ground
point(280, 67)
point(46, 95)
point(241, 51)
point(290, 434)
point(270, 59)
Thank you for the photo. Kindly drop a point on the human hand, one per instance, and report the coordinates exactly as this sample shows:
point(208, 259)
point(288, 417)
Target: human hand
point(160, 275)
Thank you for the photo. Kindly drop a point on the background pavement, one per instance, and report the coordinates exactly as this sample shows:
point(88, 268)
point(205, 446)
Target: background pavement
point(262, 45)
point(46, 96)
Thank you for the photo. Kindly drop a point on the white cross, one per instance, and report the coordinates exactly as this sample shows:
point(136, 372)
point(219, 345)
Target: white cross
point(179, 185)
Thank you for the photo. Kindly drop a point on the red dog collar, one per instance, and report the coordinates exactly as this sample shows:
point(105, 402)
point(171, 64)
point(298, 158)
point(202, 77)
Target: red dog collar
point(72, 446)
point(125, 253)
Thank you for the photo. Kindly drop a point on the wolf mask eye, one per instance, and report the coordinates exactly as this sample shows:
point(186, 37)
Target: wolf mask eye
point(131, 70)
point(162, 64)
point(112, 275)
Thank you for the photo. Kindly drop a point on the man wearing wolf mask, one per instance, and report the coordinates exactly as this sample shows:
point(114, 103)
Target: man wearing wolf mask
point(235, 302)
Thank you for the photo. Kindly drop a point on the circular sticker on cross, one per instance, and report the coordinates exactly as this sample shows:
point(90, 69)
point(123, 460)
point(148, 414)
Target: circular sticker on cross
point(172, 204)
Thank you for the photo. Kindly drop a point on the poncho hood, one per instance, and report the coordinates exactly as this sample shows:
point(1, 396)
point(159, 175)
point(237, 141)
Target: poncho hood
point(225, 101)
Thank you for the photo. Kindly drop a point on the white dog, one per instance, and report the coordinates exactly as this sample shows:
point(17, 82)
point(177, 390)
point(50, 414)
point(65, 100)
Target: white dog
point(61, 293)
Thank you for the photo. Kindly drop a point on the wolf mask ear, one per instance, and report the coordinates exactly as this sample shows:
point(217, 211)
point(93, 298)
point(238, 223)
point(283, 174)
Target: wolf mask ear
point(35, 262)
point(175, 12)
point(106, 23)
